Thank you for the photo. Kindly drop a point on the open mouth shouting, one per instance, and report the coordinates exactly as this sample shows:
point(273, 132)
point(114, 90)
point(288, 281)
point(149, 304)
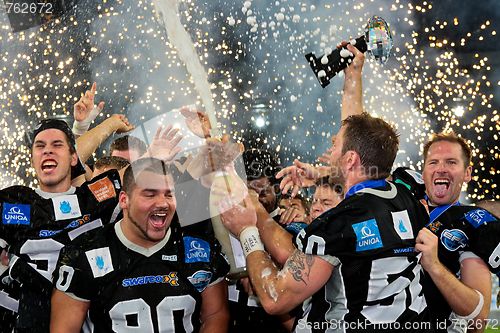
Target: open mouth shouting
point(158, 219)
point(441, 186)
point(49, 165)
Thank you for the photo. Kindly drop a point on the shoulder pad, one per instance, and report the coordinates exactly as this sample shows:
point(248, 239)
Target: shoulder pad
point(411, 179)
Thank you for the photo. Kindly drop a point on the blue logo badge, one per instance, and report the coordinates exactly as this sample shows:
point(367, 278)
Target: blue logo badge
point(454, 239)
point(402, 227)
point(65, 207)
point(196, 250)
point(99, 261)
point(200, 280)
point(367, 235)
point(16, 214)
point(477, 217)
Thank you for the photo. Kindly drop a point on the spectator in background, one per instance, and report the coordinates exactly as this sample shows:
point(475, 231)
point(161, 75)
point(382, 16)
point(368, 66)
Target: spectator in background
point(128, 147)
point(326, 196)
point(106, 163)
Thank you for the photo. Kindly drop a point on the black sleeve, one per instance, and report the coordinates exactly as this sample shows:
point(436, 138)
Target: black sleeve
point(411, 179)
point(73, 274)
point(29, 277)
point(485, 237)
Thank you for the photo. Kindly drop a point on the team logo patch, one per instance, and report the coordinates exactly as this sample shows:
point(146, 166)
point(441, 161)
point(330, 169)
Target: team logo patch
point(66, 207)
point(367, 235)
point(170, 278)
point(402, 224)
point(454, 239)
point(196, 250)
point(434, 226)
point(478, 217)
point(100, 261)
point(16, 214)
point(103, 189)
point(200, 279)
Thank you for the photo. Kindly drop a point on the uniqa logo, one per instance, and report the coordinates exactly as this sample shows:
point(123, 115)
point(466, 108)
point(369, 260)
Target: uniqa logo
point(196, 250)
point(366, 232)
point(15, 213)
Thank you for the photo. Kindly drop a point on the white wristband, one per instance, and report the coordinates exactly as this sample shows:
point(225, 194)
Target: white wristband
point(80, 127)
point(476, 311)
point(250, 240)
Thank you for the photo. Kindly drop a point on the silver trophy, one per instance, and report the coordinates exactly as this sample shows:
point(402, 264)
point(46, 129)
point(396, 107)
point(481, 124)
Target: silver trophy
point(377, 40)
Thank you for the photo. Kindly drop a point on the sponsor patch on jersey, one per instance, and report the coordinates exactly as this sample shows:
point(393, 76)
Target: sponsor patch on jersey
point(100, 261)
point(478, 217)
point(196, 250)
point(170, 278)
point(48, 233)
point(200, 279)
point(454, 239)
point(404, 250)
point(173, 257)
point(103, 189)
point(16, 214)
point(71, 225)
point(367, 235)
point(66, 207)
point(402, 224)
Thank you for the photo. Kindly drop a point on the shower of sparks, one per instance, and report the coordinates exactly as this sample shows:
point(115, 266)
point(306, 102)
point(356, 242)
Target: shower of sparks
point(250, 51)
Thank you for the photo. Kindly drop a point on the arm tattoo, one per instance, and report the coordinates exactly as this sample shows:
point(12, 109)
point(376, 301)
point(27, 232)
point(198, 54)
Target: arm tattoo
point(299, 265)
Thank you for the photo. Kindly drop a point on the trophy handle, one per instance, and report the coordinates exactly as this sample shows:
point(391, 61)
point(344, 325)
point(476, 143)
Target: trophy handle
point(325, 72)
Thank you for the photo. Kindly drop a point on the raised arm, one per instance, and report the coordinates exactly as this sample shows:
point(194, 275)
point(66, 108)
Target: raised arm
point(85, 111)
point(352, 97)
point(282, 290)
point(90, 140)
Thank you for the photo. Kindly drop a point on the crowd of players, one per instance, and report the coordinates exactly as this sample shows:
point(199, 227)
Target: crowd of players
point(104, 249)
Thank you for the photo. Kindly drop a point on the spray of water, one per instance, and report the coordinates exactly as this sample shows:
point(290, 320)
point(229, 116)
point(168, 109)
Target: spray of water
point(168, 12)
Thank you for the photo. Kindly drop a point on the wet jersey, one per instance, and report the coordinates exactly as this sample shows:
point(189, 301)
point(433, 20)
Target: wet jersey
point(9, 301)
point(461, 230)
point(36, 228)
point(131, 288)
point(369, 238)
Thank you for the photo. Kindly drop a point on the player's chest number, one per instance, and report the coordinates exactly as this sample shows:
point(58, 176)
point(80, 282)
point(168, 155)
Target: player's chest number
point(142, 311)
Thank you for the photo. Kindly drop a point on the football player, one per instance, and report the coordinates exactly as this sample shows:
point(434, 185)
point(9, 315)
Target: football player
point(37, 223)
point(144, 273)
point(353, 268)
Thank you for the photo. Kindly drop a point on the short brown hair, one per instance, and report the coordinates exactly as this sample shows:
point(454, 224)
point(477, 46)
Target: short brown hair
point(127, 142)
point(449, 137)
point(374, 140)
point(114, 162)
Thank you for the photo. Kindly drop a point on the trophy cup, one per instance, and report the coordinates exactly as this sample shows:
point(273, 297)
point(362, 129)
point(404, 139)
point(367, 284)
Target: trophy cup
point(377, 40)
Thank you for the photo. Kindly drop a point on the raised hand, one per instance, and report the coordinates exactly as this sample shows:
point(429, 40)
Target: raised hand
point(296, 176)
point(164, 144)
point(197, 121)
point(236, 217)
point(84, 111)
point(85, 104)
point(118, 123)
